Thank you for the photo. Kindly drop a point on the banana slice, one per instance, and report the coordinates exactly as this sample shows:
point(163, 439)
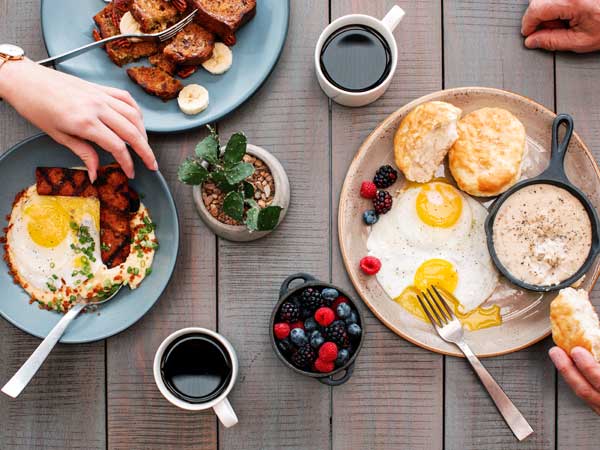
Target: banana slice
point(220, 61)
point(193, 99)
point(128, 25)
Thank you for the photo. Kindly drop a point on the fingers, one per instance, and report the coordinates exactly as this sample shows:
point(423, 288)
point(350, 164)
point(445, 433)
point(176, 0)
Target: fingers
point(109, 141)
point(558, 39)
point(130, 113)
point(122, 95)
point(540, 11)
point(582, 388)
point(82, 149)
point(587, 365)
point(130, 134)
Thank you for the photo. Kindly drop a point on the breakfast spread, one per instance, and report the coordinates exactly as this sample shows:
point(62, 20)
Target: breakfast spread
point(575, 322)
point(68, 239)
point(194, 46)
point(534, 242)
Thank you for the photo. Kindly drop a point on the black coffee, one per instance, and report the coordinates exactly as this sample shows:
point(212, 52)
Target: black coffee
point(356, 58)
point(196, 368)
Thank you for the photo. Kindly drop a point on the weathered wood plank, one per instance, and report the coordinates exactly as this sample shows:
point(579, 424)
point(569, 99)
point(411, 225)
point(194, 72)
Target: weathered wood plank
point(395, 397)
point(483, 46)
point(577, 94)
point(277, 408)
point(138, 415)
point(63, 407)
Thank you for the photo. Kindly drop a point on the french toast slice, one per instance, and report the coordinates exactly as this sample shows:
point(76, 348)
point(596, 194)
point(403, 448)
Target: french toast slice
point(162, 62)
point(155, 81)
point(191, 46)
point(224, 17)
point(154, 15)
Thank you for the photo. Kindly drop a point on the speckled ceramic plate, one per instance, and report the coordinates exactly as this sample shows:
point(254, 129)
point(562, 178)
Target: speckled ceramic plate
point(67, 24)
point(525, 314)
point(17, 171)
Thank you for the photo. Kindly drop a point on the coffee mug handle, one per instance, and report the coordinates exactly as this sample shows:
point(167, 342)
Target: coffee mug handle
point(393, 18)
point(225, 413)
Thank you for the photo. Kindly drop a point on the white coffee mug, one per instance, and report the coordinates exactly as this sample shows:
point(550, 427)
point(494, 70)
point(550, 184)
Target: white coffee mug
point(385, 27)
point(221, 405)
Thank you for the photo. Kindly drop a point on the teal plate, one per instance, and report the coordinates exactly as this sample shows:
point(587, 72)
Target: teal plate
point(67, 24)
point(17, 171)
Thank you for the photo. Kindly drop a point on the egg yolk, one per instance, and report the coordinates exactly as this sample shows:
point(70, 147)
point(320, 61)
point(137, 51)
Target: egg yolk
point(437, 272)
point(439, 205)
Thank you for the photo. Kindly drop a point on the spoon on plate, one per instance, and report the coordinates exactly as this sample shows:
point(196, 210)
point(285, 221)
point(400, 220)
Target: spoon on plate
point(24, 375)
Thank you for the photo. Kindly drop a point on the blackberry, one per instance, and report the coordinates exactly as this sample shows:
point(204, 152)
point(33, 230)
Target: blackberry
point(311, 299)
point(382, 202)
point(385, 177)
point(289, 312)
point(336, 333)
point(304, 357)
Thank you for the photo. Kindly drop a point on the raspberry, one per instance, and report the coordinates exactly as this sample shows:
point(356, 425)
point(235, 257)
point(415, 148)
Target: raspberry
point(385, 177)
point(368, 189)
point(328, 352)
point(281, 330)
point(324, 316)
point(370, 265)
point(337, 301)
point(323, 366)
point(382, 202)
point(298, 324)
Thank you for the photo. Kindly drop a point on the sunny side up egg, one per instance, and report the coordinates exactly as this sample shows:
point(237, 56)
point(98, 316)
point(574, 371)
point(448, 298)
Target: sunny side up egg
point(434, 235)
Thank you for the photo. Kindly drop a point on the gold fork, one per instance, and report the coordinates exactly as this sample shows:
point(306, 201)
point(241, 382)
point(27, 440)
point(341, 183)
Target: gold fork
point(450, 330)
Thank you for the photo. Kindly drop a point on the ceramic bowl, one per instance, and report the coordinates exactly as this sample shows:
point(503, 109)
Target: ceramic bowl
point(240, 233)
point(332, 378)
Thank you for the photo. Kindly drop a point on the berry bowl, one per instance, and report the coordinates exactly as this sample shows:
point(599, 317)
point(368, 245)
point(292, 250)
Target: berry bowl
point(316, 329)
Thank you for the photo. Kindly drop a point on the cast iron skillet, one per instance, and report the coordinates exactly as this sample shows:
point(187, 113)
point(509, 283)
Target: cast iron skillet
point(555, 175)
point(285, 293)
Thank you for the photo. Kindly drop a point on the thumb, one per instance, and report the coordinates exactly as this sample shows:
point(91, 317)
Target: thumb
point(557, 39)
point(82, 149)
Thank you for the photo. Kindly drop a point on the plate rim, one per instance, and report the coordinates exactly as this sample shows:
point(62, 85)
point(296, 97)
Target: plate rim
point(14, 148)
point(234, 106)
point(346, 187)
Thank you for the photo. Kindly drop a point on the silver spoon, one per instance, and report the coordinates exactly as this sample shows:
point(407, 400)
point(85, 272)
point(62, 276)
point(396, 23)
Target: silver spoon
point(24, 375)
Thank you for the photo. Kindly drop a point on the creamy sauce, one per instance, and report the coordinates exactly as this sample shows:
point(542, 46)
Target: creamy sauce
point(542, 234)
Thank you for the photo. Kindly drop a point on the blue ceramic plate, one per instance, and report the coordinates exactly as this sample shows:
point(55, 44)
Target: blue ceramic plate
point(67, 24)
point(17, 168)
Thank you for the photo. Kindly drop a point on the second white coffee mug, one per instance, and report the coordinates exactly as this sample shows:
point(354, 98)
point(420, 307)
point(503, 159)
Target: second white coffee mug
point(385, 27)
point(220, 404)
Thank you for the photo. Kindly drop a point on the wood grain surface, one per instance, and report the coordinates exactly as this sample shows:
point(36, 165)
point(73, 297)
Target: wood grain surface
point(400, 396)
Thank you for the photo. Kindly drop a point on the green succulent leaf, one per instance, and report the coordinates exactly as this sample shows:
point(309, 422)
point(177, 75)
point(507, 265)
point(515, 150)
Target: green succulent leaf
point(218, 177)
point(233, 206)
point(251, 203)
point(238, 172)
point(235, 149)
point(248, 190)
point(191, 172)
point(208, 149)
point(268, 218)
point(252, 218)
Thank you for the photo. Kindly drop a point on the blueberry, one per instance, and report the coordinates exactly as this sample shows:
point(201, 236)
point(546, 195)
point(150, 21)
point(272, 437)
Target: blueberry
point(316, 339)
point(330, 294)
point(298, 337)
point(343, 310)
point(352, 318)
point(310, 324)
point(370, 217)
point(342, 357)
point(285, 346)
point(354, 330)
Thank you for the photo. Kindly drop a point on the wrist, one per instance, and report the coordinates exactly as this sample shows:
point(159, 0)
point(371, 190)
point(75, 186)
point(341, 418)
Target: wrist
point(10, 73)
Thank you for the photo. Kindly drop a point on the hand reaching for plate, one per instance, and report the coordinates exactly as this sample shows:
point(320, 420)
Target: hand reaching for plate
point(73, 111)
point(572, 25)
point(581, 372)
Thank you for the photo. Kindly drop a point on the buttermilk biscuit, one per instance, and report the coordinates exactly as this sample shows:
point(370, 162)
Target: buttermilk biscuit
point(486, 158)
point(423, 139)
point(575, 322)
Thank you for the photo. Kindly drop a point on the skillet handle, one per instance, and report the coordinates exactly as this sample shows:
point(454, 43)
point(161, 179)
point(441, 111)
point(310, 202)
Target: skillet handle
point(285, 286)
point(559, 149)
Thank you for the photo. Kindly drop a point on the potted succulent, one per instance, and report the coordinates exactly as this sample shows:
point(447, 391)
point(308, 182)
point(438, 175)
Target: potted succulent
point(241, 191)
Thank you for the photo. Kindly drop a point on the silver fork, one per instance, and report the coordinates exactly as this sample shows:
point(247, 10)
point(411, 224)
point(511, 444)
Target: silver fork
point(161, 36)
point(450, 329)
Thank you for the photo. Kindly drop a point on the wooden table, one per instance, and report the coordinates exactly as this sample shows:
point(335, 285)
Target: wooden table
point(102, 395)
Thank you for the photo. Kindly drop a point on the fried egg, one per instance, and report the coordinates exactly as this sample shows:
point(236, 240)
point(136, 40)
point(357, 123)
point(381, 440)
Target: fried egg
point(434, 235)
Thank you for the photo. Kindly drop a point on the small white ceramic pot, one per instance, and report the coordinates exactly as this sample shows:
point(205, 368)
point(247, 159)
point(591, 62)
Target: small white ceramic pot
point(240, 233)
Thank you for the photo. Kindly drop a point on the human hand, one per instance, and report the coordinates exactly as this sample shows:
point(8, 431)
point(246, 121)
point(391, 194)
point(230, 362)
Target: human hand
point(562, 25)
point(73, 111)
point(581, 372)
